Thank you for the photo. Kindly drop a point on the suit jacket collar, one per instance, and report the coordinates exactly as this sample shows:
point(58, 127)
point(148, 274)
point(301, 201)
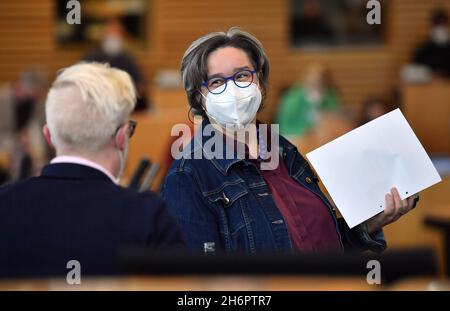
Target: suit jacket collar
point(73, 171)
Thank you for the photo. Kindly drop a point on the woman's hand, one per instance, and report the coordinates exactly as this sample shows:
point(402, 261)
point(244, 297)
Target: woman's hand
point(395, 208)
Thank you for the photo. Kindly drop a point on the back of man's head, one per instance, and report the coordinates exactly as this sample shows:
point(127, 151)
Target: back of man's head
point(86, 104)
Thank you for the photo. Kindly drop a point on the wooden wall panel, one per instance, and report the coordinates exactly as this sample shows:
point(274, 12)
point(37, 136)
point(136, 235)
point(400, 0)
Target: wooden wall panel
point(27, 39)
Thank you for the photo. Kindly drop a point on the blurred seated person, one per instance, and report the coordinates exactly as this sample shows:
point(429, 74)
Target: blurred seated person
point(373, 108)
point(21, 118)
point(301, 104)
point(75, 210)
point(112, 51)
point(435, 52)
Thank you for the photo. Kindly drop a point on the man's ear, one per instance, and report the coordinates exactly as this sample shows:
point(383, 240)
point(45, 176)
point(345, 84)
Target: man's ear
point(47, 135)
point(120, 139)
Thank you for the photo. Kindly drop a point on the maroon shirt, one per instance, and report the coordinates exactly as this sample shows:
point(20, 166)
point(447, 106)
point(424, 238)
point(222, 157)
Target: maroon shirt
point(310, 225)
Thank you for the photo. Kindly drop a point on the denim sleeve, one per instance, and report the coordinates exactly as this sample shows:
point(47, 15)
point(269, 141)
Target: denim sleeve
point(358, 238)
point(196, 219)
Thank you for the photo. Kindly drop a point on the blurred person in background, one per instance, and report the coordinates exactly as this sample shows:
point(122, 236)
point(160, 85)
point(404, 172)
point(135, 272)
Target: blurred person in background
point(112, 50)
point(75, 210)
point(373, 108)
point(311, 26)
point(301, 105)
point(435, 52)
point(226, 201)
point(22, 117)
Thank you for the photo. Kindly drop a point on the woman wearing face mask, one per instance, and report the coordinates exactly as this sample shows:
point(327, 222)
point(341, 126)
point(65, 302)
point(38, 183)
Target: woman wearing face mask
point(228, 202)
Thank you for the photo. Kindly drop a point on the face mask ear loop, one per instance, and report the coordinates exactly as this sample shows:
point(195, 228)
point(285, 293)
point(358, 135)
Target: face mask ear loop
point(189, 115)
point(203, 105)
point(121, 159)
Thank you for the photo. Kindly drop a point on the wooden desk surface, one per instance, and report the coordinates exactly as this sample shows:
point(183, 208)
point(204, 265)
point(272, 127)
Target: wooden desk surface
point(224, 283)
point(214, 283)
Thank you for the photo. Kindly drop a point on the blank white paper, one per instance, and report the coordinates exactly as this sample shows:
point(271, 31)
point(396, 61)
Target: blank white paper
point(359, 168)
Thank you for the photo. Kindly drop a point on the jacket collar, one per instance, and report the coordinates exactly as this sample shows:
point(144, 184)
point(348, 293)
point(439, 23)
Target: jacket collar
point(73, 171)
point(224, 163)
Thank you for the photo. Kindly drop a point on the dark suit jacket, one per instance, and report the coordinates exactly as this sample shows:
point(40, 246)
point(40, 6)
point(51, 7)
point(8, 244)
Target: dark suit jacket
point(74, 212)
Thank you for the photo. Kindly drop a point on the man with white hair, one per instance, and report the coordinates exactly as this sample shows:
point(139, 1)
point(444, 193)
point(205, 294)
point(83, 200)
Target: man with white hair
point(75, 210)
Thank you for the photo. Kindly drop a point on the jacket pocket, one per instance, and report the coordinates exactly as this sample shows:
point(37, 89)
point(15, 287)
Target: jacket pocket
point(230, 201)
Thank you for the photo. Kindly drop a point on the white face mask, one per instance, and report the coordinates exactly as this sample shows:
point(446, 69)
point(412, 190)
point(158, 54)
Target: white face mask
point(439, 35)
point(235, 106)
point(112, 45)
point(122, 159)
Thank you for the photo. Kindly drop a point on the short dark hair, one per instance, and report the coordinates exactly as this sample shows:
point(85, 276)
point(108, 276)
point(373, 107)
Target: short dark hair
point(439, 16)
point(194, 62)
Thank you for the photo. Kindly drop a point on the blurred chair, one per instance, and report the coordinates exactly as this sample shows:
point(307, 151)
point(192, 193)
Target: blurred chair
point(439, 218)
point(152, 139)
point(427, 109)
point(141, 169)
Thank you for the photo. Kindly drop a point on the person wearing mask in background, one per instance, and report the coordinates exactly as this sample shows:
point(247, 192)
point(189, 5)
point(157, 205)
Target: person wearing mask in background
point(254, 202)
point(301, 105)
point(112, 51)
point(75, 210)
point(435, 53)
point(310, 27)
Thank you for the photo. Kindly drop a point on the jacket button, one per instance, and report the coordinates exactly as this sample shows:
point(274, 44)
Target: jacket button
point(308, 180)
point(225, 199)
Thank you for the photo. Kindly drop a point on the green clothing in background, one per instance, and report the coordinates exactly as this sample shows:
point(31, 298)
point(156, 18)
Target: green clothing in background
point(297, 113)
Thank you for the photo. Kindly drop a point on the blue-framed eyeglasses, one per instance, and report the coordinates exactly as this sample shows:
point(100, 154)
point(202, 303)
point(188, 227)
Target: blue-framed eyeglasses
point(242, 79)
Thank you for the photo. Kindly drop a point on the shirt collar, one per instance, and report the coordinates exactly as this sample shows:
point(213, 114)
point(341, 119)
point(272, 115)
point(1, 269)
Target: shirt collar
point(85, 162)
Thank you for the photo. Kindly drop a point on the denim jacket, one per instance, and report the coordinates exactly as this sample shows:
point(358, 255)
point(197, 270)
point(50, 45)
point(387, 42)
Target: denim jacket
point(225, 204)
